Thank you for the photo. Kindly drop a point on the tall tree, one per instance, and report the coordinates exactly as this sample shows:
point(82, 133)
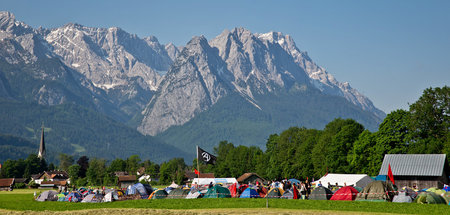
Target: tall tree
point(430, 121)
point(34, 165)
point(133, 164)
point(83, 162)
point(96, 172)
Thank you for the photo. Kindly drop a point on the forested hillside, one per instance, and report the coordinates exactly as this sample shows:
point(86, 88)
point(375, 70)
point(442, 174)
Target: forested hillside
point(75, 130)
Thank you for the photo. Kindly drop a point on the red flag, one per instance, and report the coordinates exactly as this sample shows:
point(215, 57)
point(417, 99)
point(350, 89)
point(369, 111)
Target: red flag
point(196, 172)
point(390, 175)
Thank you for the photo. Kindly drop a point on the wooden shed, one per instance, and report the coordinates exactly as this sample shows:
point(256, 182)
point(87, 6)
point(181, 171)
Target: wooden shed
point(422, 170)
point(251, 178)
point(125, 181)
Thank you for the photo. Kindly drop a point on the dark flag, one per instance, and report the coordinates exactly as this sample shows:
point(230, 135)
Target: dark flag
point(205, 156)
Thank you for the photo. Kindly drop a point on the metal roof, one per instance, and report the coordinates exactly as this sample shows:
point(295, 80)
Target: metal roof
point(414, 164)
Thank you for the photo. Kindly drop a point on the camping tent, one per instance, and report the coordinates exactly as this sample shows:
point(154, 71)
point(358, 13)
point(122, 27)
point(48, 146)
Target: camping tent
point(275, 193)
point(93, 198)
point(262, 192)
point(436, 190)
point(194, 194)
point(346, 193)
point(233, 190)
point(293, 181)
point(49, 195)
point(73, 197)
point(61, 197)
point(140, 189)
point(111, 196)
point(217, 191)
point(158, 194)
point(321, 193)
point(250, 193)
point(173, 185)
point(241, 188)
point(360, 180)
point(409, 192)
point(402, 197)
point(178, 194)
point(429, 198)
point(446, 196)
point(376, 191)
point(288, 194)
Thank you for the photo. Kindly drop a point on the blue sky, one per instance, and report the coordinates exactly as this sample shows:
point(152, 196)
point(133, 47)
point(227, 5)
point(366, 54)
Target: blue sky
point(388, 50)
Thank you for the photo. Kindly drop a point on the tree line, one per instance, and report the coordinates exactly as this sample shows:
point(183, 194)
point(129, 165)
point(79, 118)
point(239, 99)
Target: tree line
point(343, 146)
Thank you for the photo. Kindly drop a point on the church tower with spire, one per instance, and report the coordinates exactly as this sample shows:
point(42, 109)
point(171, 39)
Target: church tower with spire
point(41, 153)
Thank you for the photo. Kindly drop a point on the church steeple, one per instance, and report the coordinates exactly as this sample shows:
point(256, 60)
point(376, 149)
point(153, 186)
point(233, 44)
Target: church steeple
point(41, 153)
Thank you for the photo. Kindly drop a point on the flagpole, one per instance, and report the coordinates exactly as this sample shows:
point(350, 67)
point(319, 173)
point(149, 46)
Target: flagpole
point(198, 167)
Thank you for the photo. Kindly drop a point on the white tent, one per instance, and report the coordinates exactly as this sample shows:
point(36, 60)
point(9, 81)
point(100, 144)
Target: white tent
point(203, 181)
point(358, 180)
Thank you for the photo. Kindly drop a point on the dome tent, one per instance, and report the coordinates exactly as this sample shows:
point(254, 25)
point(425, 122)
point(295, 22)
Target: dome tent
point(158, 194)
point(346, 193)
point(217, 191)
point(429, 198)
point(49, 195)
point(275, 193)
point(402, 198)
point(93, 198)
point(178, 193)
point(73, 197)
point(250, 193)
point(377, 191)
point(321, 193)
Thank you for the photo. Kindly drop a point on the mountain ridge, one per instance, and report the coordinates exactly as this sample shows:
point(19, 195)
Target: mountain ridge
point(153, 87)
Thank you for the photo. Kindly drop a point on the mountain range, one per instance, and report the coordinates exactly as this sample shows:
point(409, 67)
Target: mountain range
point(239, 86)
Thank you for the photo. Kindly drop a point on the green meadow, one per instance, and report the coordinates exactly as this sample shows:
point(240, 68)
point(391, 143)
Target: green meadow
point(22, 200)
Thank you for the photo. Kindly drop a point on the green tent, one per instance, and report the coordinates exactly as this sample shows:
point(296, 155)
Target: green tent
point(376, 191)
point(446, 197)
point(217, 192)
point(429, 198)
point(178, 193)
point(159, 194)
point(436, 190)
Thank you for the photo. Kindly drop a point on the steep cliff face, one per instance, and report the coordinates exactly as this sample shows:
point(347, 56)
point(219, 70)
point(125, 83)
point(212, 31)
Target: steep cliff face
point(319, 77)
point(32, 72)
point(193, 84)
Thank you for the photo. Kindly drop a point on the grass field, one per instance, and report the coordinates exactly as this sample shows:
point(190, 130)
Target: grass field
point(21, 201)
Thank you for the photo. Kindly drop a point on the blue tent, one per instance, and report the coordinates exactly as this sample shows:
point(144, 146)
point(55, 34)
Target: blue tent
point(137, 189)
point(293, 180)
point(250, 193)
point(73, 197)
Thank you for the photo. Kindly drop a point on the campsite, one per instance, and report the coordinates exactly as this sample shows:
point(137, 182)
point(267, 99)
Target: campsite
point(21, 200)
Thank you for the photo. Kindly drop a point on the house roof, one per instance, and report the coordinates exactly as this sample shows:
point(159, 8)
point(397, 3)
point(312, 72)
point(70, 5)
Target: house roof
point(6, 182)
point(21, 180)
point(414, 164)
point(127, 178)
point(52, 174)
point(247, 175)
point(62, 183)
